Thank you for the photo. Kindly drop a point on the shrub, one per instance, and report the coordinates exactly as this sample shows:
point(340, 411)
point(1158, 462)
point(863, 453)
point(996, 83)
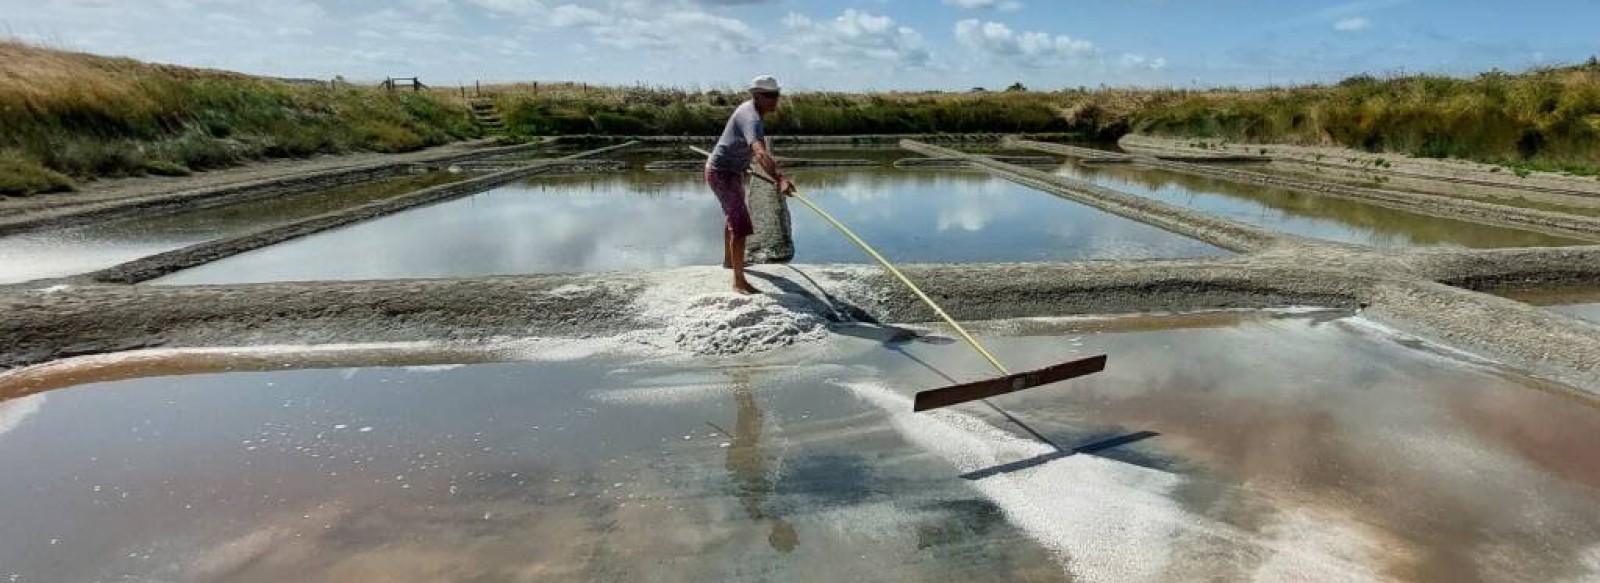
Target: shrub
point(384, 136)
point(23, 176)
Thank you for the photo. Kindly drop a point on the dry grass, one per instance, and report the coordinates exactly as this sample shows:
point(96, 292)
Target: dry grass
point(87, 116)
point(1547, 119)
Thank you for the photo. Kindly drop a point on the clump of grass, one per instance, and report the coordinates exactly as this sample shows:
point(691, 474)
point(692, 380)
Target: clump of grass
point(24, 176)
point(165, 168)
point(87, 116)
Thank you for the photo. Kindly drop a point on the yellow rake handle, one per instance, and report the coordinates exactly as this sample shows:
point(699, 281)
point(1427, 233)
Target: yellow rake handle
point(886, 265)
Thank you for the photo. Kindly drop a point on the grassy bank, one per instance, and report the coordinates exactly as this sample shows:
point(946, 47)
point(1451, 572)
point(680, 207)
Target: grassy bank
point(1547, 119)
point(70, 116)
point(67, 117)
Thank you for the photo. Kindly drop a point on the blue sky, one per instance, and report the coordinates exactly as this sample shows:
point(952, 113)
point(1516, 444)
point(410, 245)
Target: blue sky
point(826, 44)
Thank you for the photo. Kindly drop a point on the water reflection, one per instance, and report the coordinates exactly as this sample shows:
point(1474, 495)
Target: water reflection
point(76, 250)
point(1291, 447)
point(484, 472)
point(968, 216)
point(1323, 217)
point(748, 466)
point(1398, 450)
point(652, 220)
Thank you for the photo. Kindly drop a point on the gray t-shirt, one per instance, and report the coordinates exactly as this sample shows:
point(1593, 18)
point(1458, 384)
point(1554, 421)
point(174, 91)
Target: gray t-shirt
point(733, 152)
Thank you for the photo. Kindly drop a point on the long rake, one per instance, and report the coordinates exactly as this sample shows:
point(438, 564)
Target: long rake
point(963, 393)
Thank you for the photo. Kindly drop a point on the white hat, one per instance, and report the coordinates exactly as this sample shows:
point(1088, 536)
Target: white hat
point(764, 84)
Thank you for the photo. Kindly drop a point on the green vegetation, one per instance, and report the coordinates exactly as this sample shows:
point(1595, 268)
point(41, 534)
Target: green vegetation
point(22, 175)
point(82, 116)
point(75, 116)
point(1548, 119)
point(567, 110)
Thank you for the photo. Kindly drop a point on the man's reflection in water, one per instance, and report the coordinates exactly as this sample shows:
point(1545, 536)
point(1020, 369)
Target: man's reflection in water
point(748, 466)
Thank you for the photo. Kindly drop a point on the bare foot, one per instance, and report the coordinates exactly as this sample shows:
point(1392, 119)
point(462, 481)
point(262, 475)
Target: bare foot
point(744, 288)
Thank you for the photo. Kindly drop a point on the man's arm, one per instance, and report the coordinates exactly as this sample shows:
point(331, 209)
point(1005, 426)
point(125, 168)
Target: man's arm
point(770, 166)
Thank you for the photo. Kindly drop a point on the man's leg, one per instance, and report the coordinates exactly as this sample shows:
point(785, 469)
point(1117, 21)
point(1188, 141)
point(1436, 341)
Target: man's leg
point(729, 188)
point(736, 257)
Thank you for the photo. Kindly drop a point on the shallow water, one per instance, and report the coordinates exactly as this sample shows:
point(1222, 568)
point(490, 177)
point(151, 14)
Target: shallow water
point(1322, 217)
point(1217, 446)
point(76, 250)
point(651, 220)
point(1583, 302)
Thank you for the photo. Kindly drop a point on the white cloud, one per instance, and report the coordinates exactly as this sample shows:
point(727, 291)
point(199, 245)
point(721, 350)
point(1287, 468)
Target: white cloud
point(1002, 5)
point(1027, 48)
point(1132, 61)
point(822, 64)
point(999, 43)
point(569, 15)
point(635, 24)
point(432, 8)
point(528, 8)
point(692, 42)
point(1354, 24)
point(854, 36)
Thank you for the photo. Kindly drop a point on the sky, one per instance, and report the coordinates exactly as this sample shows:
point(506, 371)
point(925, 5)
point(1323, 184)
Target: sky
point(825, 44)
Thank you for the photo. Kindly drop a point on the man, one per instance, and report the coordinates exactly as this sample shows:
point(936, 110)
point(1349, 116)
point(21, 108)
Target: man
point(744, 139)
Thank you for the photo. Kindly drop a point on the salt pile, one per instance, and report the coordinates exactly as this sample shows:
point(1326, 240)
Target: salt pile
point(723, 324)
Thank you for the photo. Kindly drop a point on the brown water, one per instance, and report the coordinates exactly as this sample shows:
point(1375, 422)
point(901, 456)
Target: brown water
point(1215, 447)
point(651, 220)
point(1322, 217)
point(76, 250)
point(1583, 302)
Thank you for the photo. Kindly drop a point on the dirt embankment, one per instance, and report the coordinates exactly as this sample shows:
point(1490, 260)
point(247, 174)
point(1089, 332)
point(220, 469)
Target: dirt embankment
point(1394, 288)
point(1400, 288)
point(150, 195)
point(154, 266)
point(1550, 222)
point(1391, 170)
